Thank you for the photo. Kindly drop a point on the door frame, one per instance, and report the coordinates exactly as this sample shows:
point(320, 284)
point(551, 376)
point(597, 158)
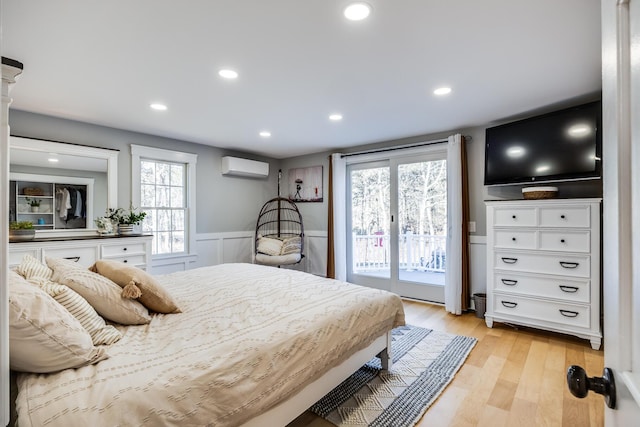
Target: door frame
point(392, 159)
point(621, 205)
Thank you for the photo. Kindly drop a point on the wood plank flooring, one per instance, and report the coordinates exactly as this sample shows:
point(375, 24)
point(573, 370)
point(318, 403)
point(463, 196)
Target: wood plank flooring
point(511, 378)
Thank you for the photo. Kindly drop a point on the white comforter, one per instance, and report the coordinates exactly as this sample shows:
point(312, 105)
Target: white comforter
point(248, 337)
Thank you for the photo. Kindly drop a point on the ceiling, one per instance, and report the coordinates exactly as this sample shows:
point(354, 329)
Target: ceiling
point(299, 61)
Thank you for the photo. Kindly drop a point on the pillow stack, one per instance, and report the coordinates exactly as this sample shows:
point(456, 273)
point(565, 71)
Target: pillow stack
point(57, 311)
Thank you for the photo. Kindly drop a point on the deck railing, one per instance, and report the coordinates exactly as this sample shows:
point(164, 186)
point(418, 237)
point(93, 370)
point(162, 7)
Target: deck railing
point(418, 252)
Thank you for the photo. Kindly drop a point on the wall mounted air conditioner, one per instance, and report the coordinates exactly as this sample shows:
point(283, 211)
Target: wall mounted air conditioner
point(244, 167)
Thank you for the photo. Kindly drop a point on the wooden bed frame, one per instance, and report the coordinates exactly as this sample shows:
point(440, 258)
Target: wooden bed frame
point(290, 409)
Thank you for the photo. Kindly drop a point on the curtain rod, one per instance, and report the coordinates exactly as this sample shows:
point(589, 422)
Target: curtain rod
point(399, 147)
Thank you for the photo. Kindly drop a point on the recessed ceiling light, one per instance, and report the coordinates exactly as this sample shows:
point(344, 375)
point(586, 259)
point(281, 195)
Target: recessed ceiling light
point(442, 91)
point(158, 107)
point(357, 11)
point(53, 160)
point(335, 117)
point(228, 74)
point(265, 134)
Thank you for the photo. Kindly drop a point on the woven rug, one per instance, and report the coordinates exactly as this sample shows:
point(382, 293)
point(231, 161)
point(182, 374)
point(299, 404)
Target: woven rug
point(424, 363)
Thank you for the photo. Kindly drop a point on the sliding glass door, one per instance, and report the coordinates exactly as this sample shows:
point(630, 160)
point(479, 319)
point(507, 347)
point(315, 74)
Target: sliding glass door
point(397, 222)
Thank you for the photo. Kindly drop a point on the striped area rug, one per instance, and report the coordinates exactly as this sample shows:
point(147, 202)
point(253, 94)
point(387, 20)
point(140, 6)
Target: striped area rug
point(424, 363)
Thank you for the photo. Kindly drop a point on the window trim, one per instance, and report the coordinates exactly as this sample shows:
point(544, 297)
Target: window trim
point(139, 152)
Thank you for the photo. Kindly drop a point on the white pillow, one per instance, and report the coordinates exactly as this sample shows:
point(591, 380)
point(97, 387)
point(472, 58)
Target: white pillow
point(292, 245)
point(39, 274)
point(43, 335)
point(269, 246)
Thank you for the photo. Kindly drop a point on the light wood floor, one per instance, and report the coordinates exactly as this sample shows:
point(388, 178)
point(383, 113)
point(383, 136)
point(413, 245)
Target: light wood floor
point(511, 378)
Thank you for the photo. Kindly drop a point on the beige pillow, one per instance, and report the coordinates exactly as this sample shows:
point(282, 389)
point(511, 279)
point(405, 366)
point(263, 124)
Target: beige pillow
point(39, 274)
point(152, 294)
point(269, 246)
point(103, 295)
point(43, 336)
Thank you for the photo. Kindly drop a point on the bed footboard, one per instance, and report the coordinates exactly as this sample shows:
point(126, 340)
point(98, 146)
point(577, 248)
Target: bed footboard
point(288, 410)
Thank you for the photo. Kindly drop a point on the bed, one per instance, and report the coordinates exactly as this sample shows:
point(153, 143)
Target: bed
point(253, 346)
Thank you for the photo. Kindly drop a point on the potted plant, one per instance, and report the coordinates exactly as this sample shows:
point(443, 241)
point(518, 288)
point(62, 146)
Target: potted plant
point(34, 204)
point(21, 230)
point(126, 218)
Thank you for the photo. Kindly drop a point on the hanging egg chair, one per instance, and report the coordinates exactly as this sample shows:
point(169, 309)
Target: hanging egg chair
point(279, 238)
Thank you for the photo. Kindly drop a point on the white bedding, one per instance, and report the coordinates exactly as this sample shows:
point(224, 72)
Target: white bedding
point(249, 336)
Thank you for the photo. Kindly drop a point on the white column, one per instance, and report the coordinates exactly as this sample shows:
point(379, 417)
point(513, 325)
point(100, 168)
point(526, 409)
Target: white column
point(10, 71)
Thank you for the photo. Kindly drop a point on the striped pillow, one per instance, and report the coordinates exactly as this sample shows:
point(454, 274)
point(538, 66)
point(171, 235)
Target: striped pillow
point(39, 274)
point(100, 332)
point(31, 268)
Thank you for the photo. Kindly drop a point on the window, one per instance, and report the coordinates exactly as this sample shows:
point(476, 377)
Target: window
point(164, 187)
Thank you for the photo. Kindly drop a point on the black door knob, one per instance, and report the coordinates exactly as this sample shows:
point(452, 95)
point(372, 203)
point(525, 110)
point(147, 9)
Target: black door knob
point(579, 384)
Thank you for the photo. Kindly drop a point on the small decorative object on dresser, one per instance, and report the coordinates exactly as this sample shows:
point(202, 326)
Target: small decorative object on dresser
point(535, 193)
point(543, 265)
point(21, 231)
point(126, 219)
point(105, 225)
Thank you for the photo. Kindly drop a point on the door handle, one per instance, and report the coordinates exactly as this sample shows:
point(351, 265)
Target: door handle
point(579, 384)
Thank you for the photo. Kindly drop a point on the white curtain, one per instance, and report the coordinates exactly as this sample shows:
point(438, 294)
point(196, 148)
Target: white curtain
point(453, 274)
point(340, 214)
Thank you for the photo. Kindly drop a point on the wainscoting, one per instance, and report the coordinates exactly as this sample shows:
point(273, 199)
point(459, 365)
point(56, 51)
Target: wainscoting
point(237, 246)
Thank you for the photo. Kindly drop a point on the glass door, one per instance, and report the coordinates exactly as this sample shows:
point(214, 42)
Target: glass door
point(422, 228)
point(397, 222)
point(369, 225)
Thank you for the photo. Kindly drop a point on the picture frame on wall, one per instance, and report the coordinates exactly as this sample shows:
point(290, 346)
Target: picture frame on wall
point(305, 184)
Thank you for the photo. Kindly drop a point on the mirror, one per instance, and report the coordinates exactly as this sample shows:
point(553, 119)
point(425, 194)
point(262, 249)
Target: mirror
point(46, 161)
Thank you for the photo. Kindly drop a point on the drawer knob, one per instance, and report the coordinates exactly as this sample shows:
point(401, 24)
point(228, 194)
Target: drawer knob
point(513, 239)
point(566, 264)
point(509, 260)
point(509, 282)
point(124, 260)
point(561, 240)
point(124, 249)
point(562, 216)
point(513, 216)
point(73, 258)
point(568, 289)
point(509, 304)
point(567, 313)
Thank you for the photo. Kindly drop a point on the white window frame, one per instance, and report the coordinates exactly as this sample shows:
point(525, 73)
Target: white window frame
point(140, 152)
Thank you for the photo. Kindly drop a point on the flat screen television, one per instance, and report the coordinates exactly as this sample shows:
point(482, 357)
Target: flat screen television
point(564, 145)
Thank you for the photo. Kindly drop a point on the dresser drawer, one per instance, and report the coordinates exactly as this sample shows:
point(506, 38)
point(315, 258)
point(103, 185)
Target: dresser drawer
point(122, 249)
point(84, 256)
point(547, 311)
point(547, 287)
point(563, 265)
point(568, 217)
point(15, 256)
point(515, 239)
point(514, 217)
point(565, 241)
point(132, 260)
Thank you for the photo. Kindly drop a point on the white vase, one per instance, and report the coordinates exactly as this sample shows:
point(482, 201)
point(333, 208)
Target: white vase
point(35, 208)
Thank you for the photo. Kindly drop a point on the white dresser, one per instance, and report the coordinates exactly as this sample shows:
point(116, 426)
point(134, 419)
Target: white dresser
point(133, 250)
point(543, 265)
